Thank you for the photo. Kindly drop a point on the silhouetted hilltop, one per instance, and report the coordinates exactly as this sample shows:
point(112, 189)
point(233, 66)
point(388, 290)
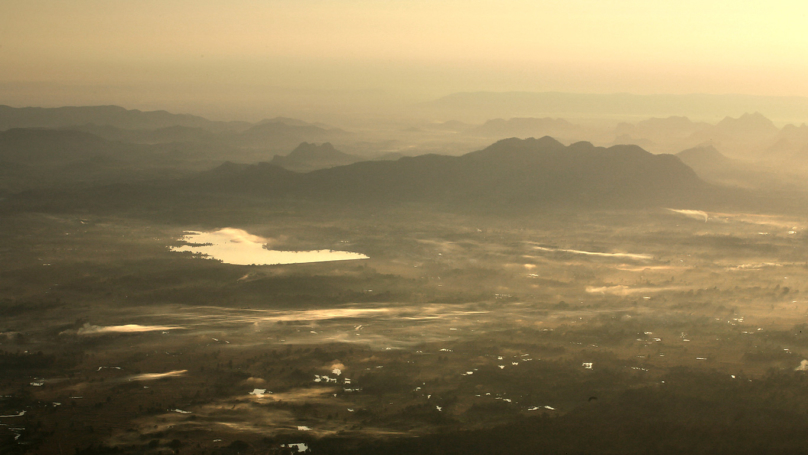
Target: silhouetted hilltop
point(60, 117)
point(279, 136)
point(745, 136)
point(790, 145)
point(625, 139)
point(524, 127)
point(796, 133)
point(511, 171)
point(307, 157)
point(704, 156)
point(755, 125)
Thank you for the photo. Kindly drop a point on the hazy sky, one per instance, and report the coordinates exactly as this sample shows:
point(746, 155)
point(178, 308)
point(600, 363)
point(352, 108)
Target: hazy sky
point(199, 54)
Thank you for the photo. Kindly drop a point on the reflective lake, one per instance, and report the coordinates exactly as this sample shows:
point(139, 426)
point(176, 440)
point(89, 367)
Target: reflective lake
point(235, 246)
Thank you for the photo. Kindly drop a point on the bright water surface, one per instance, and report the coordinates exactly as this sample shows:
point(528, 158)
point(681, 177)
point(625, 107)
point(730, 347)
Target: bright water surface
point(235, 246)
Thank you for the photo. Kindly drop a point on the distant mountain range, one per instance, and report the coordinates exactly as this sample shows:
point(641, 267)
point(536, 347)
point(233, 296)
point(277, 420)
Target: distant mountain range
point(115, 123)
point(744, 135)
point(791, 145)
point(511, 172)
point(478, 106)
point(660, 130)
point(715, 167)
point(750, 136)
point(61, 117)
point(186, 143)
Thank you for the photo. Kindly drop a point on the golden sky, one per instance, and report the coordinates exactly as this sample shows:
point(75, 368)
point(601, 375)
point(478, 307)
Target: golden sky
point(203, 51)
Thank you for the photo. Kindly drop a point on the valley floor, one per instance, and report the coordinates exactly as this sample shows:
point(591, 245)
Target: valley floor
point(647, 331)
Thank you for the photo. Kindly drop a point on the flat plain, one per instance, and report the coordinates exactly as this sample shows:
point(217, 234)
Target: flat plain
point(458, 331)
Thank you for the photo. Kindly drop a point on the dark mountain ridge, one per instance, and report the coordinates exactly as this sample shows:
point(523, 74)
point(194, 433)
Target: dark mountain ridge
point(511, 171)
